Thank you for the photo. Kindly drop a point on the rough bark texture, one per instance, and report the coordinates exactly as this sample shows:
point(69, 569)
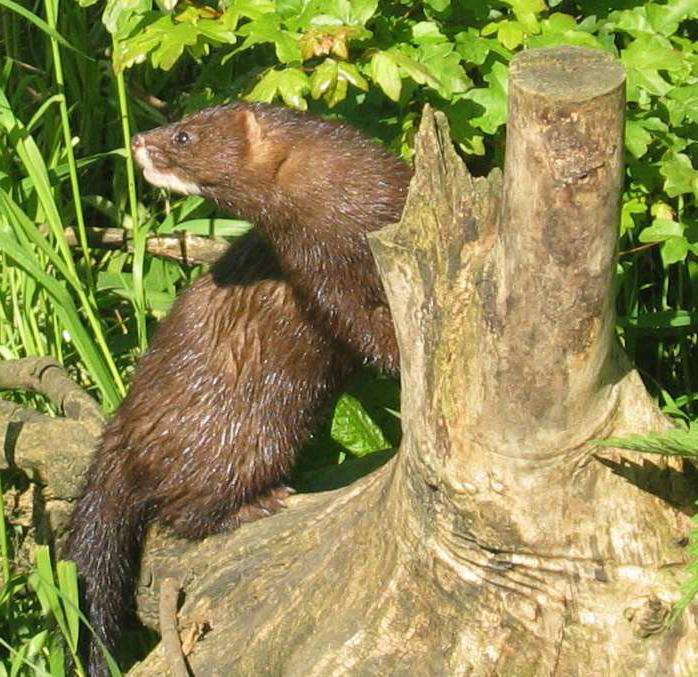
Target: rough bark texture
point(498, 541)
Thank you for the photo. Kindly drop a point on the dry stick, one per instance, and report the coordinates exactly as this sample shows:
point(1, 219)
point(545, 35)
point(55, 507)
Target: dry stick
point(169, 592)
point(183, 247)
point(47, 377)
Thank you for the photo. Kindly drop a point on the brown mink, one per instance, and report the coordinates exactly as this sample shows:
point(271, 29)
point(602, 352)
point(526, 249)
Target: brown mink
point(239, 371)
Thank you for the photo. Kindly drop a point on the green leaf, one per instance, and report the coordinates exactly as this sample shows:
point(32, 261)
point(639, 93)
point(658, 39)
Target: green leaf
point(680, 177)
point(420, 73)
point(661, 230)
point(665, 18)
point(652, 52)
point(363, 10)
point(424, 32)
point(118, 12)
point(683, 104)
point(631, 208)
point(350, 73)
point(526, 11)
point(493, 99)
point(293, 85)
point(265, 90)
point(385, 72)
point(287, 48)
point(324, 77)
point(509, 33)
point(649, 80)
point(439, 6)
point(354, 429)
point(637, 138)
point(337, 94)
point(68, 584)
point(443, 63)
point(172, 45)
point(674, 250)
point(559, 23)
point(473, 48)
point(632, 21)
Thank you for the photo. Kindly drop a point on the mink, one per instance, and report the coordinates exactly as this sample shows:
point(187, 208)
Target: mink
point(241, 369)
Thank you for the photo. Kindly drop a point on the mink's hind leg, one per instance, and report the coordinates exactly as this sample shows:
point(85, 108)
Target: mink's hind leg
point(197, 526)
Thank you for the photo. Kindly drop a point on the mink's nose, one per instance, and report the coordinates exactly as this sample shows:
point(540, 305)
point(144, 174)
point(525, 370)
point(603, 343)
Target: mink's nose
point(137, 142)
point(139, 150)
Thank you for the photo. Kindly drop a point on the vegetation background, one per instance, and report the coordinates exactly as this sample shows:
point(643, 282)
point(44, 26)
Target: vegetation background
point(78, 78)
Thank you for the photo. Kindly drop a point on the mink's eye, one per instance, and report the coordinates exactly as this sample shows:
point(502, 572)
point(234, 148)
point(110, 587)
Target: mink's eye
point(181, 138)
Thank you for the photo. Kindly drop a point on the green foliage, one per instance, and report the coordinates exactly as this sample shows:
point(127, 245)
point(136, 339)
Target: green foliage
point(39, 615)
point(679, 442)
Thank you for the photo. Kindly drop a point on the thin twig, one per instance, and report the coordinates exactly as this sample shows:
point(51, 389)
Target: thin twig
point(169, 592)
point(183, 247)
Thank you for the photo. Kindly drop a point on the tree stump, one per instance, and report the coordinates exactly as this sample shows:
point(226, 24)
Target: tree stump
point(498, 540)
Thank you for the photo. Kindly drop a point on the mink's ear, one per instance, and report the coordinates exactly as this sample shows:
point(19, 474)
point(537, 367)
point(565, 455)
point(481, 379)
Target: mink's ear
point(252, 129)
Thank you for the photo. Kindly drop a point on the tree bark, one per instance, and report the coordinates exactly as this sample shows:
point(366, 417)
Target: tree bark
point(498, 541)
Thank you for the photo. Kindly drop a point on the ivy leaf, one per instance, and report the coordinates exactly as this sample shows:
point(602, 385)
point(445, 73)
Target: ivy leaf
point(287, 48)
point(680, 177)
point(289, 8)
point(354, 429)
point(652, 52)
point(415, 70)
point(632, 21)
point(661, 230)
point(424, 32)
point(439, 6)
point(118, 11)
point(559, 23)
point(526, 11)
point(509, 33)
point(493, 99)
point(337, 94)
point(683, 104)
point(473, 48)
point(665, 18)
point(630, 208)
point(638, 135)
point(674, 250)
point(637, 138)
point(267, 29)
point(450, 74)
point(173, 44)
point(385, 72)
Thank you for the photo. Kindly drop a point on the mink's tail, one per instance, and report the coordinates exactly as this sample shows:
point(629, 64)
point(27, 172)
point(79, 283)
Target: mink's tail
point(105, 541)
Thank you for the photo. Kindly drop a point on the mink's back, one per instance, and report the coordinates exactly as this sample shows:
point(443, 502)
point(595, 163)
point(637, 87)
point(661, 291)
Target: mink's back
point(206, 423)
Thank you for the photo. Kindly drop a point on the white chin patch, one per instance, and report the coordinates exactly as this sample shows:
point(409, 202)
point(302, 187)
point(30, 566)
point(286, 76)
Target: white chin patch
point(164, 179)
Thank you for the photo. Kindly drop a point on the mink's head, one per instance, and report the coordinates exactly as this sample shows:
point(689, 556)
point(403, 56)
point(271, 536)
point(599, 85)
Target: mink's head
point(275, 167)
point(210, 153)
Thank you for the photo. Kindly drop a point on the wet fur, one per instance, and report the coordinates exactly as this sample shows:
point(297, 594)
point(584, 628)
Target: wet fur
point(242, 367)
